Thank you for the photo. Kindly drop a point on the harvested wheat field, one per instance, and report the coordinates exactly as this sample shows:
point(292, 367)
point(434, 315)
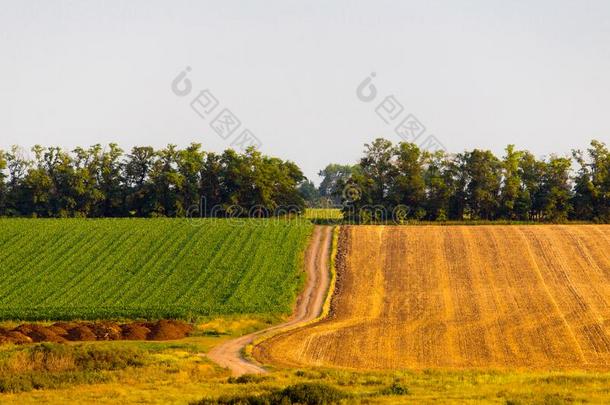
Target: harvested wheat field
point(454, 297)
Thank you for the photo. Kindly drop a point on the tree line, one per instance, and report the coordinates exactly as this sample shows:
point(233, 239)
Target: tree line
point(170, 182)
point(475, 185)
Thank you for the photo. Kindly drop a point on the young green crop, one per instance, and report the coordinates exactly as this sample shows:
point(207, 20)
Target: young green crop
point(148, 268)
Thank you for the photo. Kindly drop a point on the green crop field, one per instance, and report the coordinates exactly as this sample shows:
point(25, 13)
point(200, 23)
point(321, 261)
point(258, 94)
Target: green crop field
point(148, 268)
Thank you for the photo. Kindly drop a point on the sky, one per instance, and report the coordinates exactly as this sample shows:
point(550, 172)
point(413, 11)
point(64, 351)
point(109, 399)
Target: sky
point(467, 74)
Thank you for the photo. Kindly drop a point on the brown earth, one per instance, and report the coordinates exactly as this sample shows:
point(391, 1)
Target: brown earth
point(309, 306)
point(91, 331)
point(135, 331)
point(462, 297)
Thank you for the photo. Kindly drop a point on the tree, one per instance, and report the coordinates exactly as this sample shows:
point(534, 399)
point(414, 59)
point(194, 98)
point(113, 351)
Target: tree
point(407, 186)
point(18, 165)
point(36, 187)
point(111, 181)
point(332, 175)
point(287, 176)
point(456, 172)
point(483, 174)
point(189, 164)
point(64, 190)
point(583, 199)
point(140, 197)
point(511, 184)
point(440, 186)
point(87, 192)
point(210, 177)
point(600, 179)
point(555, 191)
point(310, 193)
point(377, 166)
point(529, 203)
point(166, 182)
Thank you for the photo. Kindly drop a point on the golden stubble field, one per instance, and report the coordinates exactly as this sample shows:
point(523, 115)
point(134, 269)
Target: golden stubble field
point(455, 297)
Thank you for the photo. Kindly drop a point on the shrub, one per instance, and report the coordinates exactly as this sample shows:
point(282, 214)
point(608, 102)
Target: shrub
point(312, 394)
point(304, 394)
point(247, 379)
point(395, 389)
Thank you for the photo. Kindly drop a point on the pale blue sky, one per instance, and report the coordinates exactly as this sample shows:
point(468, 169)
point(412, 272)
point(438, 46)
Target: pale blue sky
point(475, 73)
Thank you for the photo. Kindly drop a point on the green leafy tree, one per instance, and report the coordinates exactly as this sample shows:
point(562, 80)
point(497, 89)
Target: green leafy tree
point(583, 199)
point(407, 186)
point(17, 202)
point(483, 173)
point(166, 182)
point(555, 190)
point(36, 187)
point(456, 172)
point(310, 193)
point(377, 164)
point(600, 177)
point(189, 163)
point(511, 184)
point(529, 203)
point(140, 195)
point(440, 186)
point(333, 176)
point(111, 181)
point(211, 188)
point(87, 191)
point(286, 178)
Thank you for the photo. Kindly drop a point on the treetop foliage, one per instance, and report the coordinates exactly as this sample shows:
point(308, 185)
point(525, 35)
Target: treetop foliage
point(98, 182)
point(473, 185)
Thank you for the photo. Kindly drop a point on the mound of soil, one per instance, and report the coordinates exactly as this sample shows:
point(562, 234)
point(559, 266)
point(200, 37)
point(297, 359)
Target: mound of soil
point(169, 330)
point(135, 331)
point(39, 333)
point(65, 326)
point(59, 331)
point(106, 331)
point(81, 333)
point(17, 338)
point(91, 331)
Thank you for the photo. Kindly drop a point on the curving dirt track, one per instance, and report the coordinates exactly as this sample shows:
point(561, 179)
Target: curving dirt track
point(462, 297)
point(309, 306)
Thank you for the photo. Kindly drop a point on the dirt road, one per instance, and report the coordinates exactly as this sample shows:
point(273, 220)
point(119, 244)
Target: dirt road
point(308, 307)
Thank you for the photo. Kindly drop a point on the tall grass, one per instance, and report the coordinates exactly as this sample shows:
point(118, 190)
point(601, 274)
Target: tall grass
point(49, 366)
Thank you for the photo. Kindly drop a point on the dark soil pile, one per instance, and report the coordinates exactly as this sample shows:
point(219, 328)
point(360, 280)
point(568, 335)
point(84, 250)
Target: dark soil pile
point(135, 331)
point(39, 333)
point(168, 330)
point(16, 337)
point(106, 331)
point(91, 331)
point(81, 333)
